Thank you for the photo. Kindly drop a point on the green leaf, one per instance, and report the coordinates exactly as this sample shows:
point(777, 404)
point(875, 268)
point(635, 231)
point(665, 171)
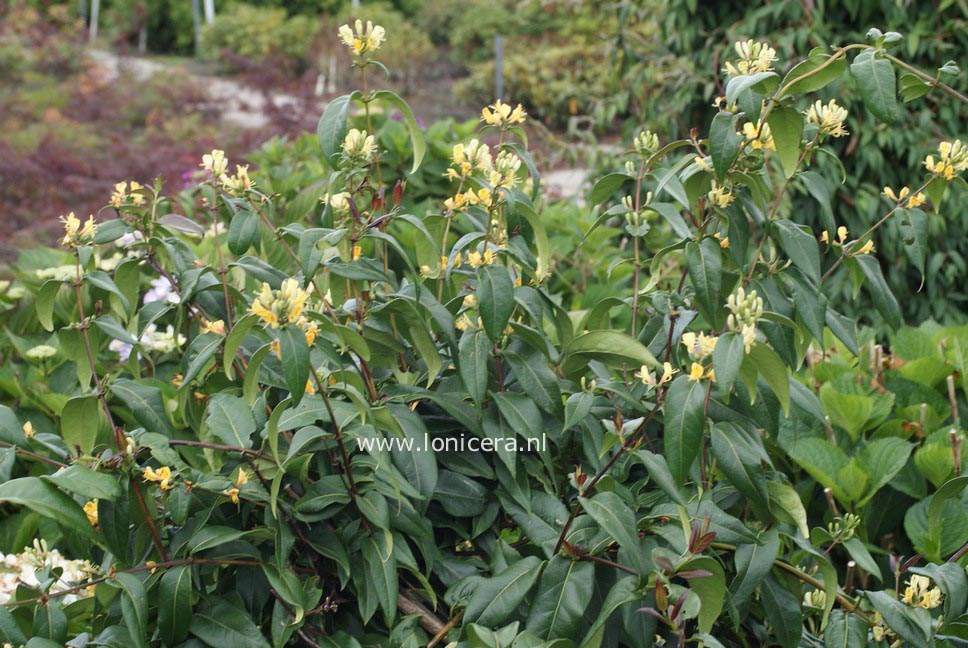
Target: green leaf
point(685, 420)
point(624, 591)
point(221, 623)
point(234, 340)
point(331, 129)
point(474, 352)
point(724, 143)
point(374, 508)
point(145, 403)
point(416, 133)
point(606, 186)
point(495, 299)
point(80, 420)
point(813, 73)
point(175, 604)
point(88, 483)
point(231, 420)
point(738, 85)
point(563, 593)
point(538, 381)
point(381, 575)
point(782, 611)
point(611, 347)
point(44, 303)
point(911, 624)
point(951, 578)
point(497, 598)
point(844, 630)
point(728, 355)
point(753, 563)
point(818, 187)
point(785, 505)
point(798, 242)
point(295, 360)
point(134, 607)
point(10, 632)
point(739, 462)
point(577, 407)
point(44, 499)
point(705, 263)
point(949, 490)
point(660, 474)
point(710, 589)
point(849, 412)
point(876, 84)
point(774, 372)
point(198, 355)
point(460, 495)
point(860, 555)
point(786, 125)
point(614, 516)
point(884, 300)
point(913, 226)
point(243, 231)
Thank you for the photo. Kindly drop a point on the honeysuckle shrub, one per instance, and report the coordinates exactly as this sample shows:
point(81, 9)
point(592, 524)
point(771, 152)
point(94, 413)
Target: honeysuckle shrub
point(366, 426)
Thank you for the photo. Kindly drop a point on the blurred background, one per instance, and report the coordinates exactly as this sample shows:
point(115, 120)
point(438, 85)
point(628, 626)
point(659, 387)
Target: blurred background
point(92, 93)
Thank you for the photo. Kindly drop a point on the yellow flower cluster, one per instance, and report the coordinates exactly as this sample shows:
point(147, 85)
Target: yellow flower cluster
point(215, 162)
point(239, 183)
point(358, 145)
point(745, 311)
point(475, 155)
point(476, 259)
point(122, 194)
point(90, 510)
point(697, 372)
point(699, 346)
point(841, 235)
point(720, 196)
point(282, 306)
point(920, 593)
point(652, 380)
point(362, 41)
point(952, 160)
point(500, 114)
point(74, 233)
point(916, 200)
point(754, 57)
point(829, 118)
point(470, 198)
point(162, 476)
point(761, 138)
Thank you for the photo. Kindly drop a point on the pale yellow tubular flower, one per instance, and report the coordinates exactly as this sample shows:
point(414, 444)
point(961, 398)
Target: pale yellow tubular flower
point(952, 160)
point(754, 57)
point(829, 118)
point(842, 233)
point(502, 115)
point(917, 200)
point(90, 510)
point(311, 331)
point(233, 495)
point(866, 248)
point(696, 372)
point(242, 478)
point(217, 327)
point(759, 139)
point(667, 372)
point(215, 162)
point(29, 429)
point(825, 237)
point(162, 476)
point(358, 145)
point(719, 196)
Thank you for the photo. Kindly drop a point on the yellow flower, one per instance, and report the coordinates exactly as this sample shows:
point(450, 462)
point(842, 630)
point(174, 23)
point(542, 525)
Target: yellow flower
point(233, 495)
point(275, 348)
point(646, 376)
point(217, 327)
point(280, 307)
point(719, 196)
point(723, 240)
point(463, 323)
point(667, 372)
point(358, 145)
point(362, 41)
point(162, 475)
point(29, 429)
point(754, 57)
point(701, 163)
point(829, 118)
point(74, 233)
point(917, 200)
point(215, 162)
point(240, 182)
point(897, 197)
point(866, 248)
point(501, 114)
point(151, 565)
point(242, 478)
point(696, 372)
point(920, 593)
point(759, 139)
point(355, 254)
point(338, 201)
point(90, 510)
point(699, 346)
point(310, 388)
point(952, 159)
point(311, 331)
point(842, 233)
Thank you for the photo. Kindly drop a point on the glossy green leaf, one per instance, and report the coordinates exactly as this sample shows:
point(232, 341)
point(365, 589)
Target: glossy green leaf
point(230, 419)
point(685, 421)
point(498, 597)
point(876, 84)
point(495, 299)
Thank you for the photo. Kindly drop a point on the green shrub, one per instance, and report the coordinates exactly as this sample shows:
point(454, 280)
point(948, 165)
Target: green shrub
point(262, 34)
point(210, 401)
